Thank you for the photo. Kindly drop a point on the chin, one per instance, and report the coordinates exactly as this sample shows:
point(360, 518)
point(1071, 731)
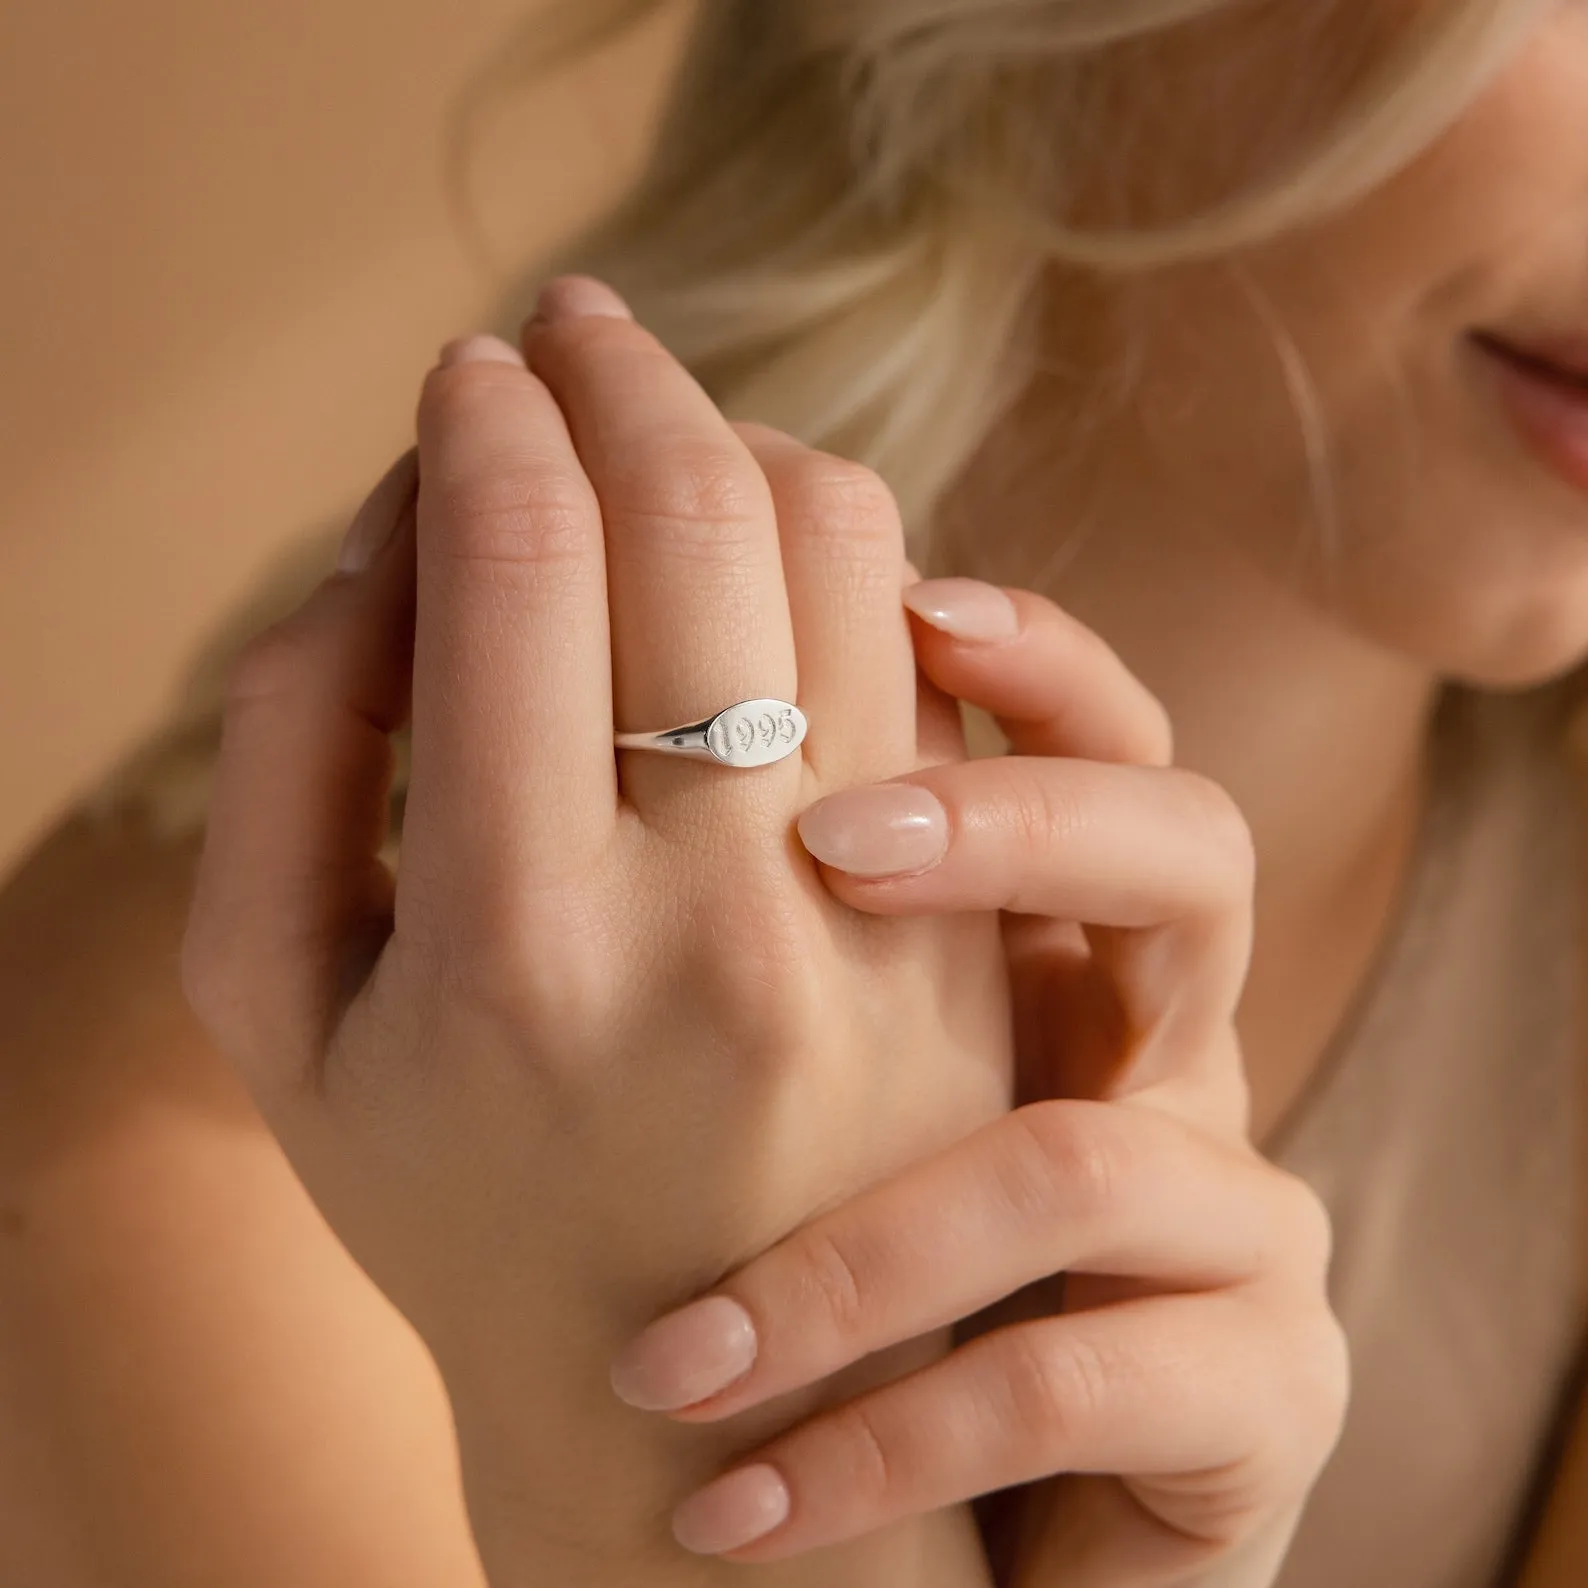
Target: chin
point(1490, 592)
point(1539, 637)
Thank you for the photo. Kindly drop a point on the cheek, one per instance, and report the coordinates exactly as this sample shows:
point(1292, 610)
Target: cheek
point(1314, 399)
point(1496, 214)
point(1358, 324)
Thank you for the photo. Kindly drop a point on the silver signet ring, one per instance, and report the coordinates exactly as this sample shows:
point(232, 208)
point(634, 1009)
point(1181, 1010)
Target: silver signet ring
point(752, 733)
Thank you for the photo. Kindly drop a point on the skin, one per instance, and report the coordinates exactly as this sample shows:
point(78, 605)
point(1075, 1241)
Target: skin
point(1453, 553)
point(523, 1058)
point(1485, 231)
point(530, 1019)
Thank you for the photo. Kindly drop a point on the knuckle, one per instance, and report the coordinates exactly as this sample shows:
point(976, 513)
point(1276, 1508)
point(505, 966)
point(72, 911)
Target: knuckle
point(557, 987)
point(270, 665)
point(454, 395)
point(772, 1021)
point(699, 496)
point(582, 336)
point(865, 1466)
point(1045, 813)
point(839, 500)
point(1317, 1388)
point(1221, 824)
point(471, 398)
point(565, 998)
point(529, 959)
point(1057, 1385)
point(1307, 1228)
point(829, 1283)
point(767, 998)
point(1158, 729)
point(1063, 1159)
point(532, 515)
point(1296, 1361)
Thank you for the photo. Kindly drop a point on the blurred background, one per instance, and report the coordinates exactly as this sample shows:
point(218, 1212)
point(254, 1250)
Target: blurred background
point(232, 244)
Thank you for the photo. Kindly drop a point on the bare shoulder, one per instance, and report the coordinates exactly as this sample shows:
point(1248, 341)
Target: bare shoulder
point(92, 1018)
point(197, 1384)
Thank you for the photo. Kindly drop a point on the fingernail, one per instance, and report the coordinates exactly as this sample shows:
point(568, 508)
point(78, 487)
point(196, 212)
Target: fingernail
point(732, 1511)
point(569, 297)
point(686, 1356)
point(966, 608)
point(480, 350)
point(375, 522)
point(880, 831)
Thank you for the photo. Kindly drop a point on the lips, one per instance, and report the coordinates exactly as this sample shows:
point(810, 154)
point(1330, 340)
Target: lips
point(1543, 388)
point(1561, 358)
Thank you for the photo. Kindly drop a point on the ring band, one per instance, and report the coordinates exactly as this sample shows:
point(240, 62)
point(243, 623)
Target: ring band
point(751, 733)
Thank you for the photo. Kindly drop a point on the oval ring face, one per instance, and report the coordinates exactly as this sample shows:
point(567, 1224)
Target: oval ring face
point(756, 732)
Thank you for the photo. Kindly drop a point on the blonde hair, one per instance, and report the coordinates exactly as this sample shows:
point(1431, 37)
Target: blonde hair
point(852, 205)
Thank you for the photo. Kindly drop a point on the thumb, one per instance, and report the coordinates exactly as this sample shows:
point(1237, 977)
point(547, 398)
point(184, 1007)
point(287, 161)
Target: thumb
point(292, 900)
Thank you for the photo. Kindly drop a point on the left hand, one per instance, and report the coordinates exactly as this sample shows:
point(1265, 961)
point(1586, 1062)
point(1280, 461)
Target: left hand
point(1189, 1380)
point(602, 1033)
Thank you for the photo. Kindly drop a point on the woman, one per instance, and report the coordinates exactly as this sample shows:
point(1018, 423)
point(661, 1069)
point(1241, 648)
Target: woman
point(1254, 339)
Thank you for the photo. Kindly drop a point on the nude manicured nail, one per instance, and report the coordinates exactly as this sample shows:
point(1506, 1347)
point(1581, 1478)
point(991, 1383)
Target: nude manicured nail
point(966, 608)
point(880, 831)
point(569, 297)
point(686, 1356)
point(735, 1510)
point(375, 521)
point(480, 350)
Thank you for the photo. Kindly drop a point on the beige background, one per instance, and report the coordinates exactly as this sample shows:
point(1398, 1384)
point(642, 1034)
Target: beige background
point(227, 258)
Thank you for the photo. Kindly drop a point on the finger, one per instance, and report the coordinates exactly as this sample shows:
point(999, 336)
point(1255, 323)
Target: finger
point(843, 565)
point(1053, 686)
point(292, 901)
point(513, 783)
point(940, 731)
point(695, 581)
point(1089, 1531)
point(1160, 854)
point(939, 726)
point(1194, 1390)
point(1053, 1187)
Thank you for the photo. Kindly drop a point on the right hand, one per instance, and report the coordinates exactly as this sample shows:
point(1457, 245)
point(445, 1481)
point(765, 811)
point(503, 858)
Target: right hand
point(1149, 1377)
point(600, 1039)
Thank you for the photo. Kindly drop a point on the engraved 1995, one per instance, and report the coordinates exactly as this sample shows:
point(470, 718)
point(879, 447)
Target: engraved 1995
point(756, 732)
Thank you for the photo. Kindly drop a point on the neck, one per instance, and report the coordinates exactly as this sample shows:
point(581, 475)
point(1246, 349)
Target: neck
point(1319, 736)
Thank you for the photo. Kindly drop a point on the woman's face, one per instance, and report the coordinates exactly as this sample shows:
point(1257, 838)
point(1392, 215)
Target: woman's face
point(1391, 410)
